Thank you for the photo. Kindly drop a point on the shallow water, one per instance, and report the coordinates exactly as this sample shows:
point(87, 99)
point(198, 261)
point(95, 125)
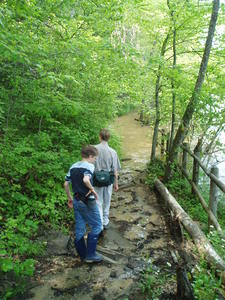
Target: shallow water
point(136, 140)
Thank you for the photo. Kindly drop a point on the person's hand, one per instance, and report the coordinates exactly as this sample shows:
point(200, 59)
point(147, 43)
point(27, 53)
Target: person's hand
point(116, 187)
point(93, 192)
point(70, 203)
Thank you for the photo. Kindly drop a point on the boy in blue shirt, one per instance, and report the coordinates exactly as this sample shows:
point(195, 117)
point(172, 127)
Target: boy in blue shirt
point(84, 204)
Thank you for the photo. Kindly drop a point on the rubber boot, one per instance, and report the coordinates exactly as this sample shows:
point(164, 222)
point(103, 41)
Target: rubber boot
point(92, 255)
point(101, 235)
point(81, 248)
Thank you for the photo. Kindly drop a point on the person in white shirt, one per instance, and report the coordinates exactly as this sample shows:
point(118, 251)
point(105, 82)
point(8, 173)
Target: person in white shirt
point(106, 160)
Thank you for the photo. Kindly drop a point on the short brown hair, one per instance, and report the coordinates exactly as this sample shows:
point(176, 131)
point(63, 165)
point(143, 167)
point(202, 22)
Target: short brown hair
point(89, 150)
point(104, 134)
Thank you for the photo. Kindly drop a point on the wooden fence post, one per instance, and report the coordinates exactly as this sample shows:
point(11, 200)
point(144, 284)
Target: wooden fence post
point(185, 157)
point(195, 172)
point(213, 198)
point(163, 142)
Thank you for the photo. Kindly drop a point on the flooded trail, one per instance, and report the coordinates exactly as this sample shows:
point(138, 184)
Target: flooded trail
point(136, 140)
point(138, 238)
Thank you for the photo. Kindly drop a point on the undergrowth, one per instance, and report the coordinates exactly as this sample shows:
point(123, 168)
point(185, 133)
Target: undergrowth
point(206, 284)
point(152, 282)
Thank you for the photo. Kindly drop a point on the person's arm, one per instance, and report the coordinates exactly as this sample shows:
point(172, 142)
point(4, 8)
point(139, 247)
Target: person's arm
point(116, 167)
point(87, 182)
point(67, 189)
point(116, 185)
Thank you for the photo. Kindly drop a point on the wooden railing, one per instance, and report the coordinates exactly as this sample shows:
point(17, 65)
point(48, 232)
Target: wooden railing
point(215, 183)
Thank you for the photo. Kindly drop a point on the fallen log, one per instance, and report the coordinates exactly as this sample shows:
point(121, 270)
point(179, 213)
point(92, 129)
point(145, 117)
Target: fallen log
point(124, 186)
point(109, 260)
point(201, 242)
point(109, 251)
point(126, 159)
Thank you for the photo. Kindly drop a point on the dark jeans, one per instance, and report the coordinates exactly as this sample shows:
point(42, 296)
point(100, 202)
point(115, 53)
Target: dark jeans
point(86, 214)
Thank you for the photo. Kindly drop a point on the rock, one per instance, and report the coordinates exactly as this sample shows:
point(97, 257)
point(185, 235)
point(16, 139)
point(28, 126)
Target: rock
point(57, 245)
point(121, 198)
point(125, 217)
point(137, 265)
point(99, 296)
point(56, 242)
point(113, 274)
point(142, 180)
point(70, 279)
point(135, 233)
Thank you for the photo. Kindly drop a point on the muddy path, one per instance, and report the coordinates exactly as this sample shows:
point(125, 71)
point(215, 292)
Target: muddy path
point(138, 239)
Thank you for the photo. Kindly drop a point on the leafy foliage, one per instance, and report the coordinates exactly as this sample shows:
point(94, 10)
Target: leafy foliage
point(59, 85)
point(153, 281)
point(66, 69)
point(206, 283)
point(155, 170)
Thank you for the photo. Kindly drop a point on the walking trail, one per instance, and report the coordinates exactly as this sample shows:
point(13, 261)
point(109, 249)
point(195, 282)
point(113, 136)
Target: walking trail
point(138, 239)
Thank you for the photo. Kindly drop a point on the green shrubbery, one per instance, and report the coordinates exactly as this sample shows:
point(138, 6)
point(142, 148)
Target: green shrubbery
point(153, 281)
point(32, 195)
point(206, 284)
point(57, 90)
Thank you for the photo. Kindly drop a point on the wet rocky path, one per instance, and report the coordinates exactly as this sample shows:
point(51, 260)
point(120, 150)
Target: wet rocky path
point(138, 240)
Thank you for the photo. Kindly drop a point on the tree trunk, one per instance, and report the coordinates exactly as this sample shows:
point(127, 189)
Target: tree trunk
point(195, 170)
point(172, 80)
point(213, 198)
point(218, 131)
point(184, 124)
point(202, 244)
point(157, 105)
point(142, 111)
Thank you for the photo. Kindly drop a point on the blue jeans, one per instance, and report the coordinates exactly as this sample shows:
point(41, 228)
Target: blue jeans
point(86, 214)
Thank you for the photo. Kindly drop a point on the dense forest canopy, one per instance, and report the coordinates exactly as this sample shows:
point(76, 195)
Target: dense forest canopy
point(67, 68)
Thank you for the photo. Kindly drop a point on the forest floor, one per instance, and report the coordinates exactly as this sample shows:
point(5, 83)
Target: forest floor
point(138, 240)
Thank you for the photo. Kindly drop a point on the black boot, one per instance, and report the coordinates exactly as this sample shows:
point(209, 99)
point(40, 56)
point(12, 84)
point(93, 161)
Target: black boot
point(81, 248)
point(92, 255)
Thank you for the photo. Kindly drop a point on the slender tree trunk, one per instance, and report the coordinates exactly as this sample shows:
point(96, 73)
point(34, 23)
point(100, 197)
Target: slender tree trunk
point(173, 118)
point(209, 146)
point(172, 80)
point(157, 105)
point(142, 110)
point(157, 118)
point(184, 124)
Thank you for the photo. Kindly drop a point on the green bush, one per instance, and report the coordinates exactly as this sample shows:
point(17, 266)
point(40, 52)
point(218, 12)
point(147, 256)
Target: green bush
point(206, 284)
point(155, 170)
point(14, 275)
